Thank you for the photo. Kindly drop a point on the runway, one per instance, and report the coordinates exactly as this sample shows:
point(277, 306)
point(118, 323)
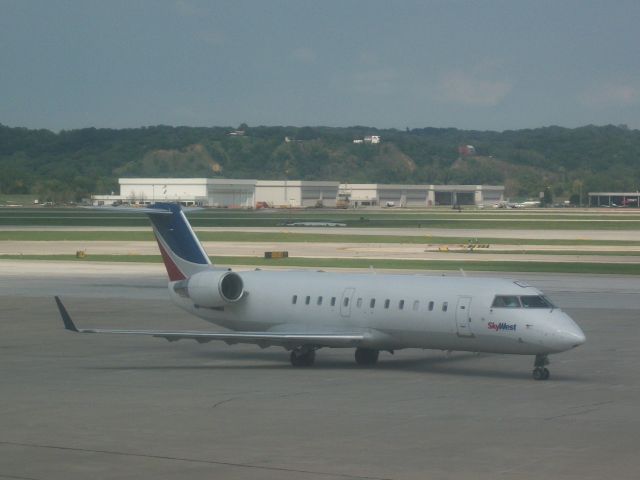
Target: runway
point(504, 253)
point(470, 233)
point(74, 406)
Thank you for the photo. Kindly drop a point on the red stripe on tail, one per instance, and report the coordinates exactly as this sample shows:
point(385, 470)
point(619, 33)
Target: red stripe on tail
point(172, 269)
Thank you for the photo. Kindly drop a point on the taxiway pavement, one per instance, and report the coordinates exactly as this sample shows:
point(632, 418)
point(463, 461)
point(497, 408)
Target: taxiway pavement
point(337, 250)
point(91, 406)
point(470, 233)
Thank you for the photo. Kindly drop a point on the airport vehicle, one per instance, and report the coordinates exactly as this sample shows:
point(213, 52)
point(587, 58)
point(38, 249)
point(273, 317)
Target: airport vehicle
point(304, 311)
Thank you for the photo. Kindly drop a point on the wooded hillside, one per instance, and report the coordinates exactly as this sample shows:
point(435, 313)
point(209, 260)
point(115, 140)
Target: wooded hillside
point(71, 165)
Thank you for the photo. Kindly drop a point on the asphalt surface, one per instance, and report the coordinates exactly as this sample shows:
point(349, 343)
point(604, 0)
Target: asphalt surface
point(329, 250)
point(89, 406)
point(470, 233)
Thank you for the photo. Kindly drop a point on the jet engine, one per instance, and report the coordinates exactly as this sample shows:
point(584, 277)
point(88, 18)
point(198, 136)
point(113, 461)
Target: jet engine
point(215, 288)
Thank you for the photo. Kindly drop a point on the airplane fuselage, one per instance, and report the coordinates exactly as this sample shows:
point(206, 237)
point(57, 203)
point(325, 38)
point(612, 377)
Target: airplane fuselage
point(399, 311)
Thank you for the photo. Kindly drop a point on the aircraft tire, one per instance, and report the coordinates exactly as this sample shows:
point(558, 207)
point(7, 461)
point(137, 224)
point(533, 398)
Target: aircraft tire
point(540, 373)
point(301, 358)
point(366, 356)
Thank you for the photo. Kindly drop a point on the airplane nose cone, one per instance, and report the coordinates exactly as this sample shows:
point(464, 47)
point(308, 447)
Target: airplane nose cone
point(576, 337)
point(568, 334)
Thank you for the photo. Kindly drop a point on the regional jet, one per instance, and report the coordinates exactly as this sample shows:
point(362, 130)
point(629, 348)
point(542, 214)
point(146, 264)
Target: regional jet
point(304, 311)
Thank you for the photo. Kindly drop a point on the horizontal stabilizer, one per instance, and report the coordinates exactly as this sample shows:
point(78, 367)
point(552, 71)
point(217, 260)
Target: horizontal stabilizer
point(66, 318)
point(145, 210)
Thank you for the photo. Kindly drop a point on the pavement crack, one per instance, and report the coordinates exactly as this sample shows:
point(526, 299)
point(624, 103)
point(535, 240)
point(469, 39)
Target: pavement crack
point(295, 394)
point(593, 408)
point(222, 402)
point(17, 477)
point(189, 460)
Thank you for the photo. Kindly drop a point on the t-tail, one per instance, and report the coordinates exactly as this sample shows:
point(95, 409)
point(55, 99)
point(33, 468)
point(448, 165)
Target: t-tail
point(181, 250)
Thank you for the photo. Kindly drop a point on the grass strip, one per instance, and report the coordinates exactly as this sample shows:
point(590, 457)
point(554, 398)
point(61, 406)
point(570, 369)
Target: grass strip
point(540, 267)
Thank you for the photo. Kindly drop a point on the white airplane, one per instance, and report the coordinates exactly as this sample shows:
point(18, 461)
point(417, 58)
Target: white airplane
point(304, 311)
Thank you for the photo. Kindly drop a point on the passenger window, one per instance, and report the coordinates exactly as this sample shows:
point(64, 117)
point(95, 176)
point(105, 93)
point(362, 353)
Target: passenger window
point(372, 303)
point(333, 301)
point(416, 305)
point(319, 300)
point(386, 303)
point(294, 300)
point(345, 302)
point(505, 301)
point(430, 306)
point(401, 304)
point(307, 300)
point(445, 306)
point(359, 303)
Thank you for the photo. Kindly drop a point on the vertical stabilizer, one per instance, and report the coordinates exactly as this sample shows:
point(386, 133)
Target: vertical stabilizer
point(181, 250)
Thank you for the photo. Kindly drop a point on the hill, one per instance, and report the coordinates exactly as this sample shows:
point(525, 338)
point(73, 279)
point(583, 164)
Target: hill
point(70, 165)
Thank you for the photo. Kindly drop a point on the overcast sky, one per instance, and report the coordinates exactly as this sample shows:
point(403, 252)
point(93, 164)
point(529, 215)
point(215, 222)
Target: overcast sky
point(486, 65)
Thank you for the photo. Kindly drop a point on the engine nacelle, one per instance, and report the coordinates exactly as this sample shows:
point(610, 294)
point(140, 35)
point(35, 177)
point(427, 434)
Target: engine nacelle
point(215, 288)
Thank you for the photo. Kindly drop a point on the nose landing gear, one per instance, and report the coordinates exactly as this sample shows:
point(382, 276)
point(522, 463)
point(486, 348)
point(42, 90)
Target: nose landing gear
point(539, 370)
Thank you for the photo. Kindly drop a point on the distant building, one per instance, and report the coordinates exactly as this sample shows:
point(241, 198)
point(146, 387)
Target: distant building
point(225, 193)
point(372, 194)
point(614, 199)
point(466, 150)
point(297, 193)
point(232, 193)
point(211, 192)
point(368, 139)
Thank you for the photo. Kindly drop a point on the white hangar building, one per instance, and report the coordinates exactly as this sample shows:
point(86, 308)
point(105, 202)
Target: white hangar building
point(371, 194)
point(297, 193)
point(231, 193)
point(188, 191)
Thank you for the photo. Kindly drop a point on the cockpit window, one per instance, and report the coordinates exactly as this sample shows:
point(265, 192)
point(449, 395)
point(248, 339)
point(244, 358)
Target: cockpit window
point(535, 301)
point(522, 301)
point(506, 301)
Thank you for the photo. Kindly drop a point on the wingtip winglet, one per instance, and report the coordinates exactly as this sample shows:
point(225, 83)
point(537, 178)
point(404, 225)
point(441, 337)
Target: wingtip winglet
point(66, 318)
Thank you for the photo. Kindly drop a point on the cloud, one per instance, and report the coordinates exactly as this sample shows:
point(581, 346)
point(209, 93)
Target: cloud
point(610, 95)
point(472, 88)
point(378, 81)
point(304, 55)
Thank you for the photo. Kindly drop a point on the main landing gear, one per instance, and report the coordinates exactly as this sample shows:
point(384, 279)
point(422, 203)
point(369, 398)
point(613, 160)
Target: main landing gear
point(539, 370)
point(303, 356)
point(366, 356)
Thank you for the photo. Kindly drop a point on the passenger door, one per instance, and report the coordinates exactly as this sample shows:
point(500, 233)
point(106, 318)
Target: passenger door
point(463, 317)
point(345, 302)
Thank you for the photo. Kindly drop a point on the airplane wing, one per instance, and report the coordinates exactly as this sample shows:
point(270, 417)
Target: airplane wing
point(262, 339)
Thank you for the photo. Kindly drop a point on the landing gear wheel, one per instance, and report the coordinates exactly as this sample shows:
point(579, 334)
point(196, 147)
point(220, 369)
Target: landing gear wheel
point(302, 357)
point(539, 371)
point(367, 356)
